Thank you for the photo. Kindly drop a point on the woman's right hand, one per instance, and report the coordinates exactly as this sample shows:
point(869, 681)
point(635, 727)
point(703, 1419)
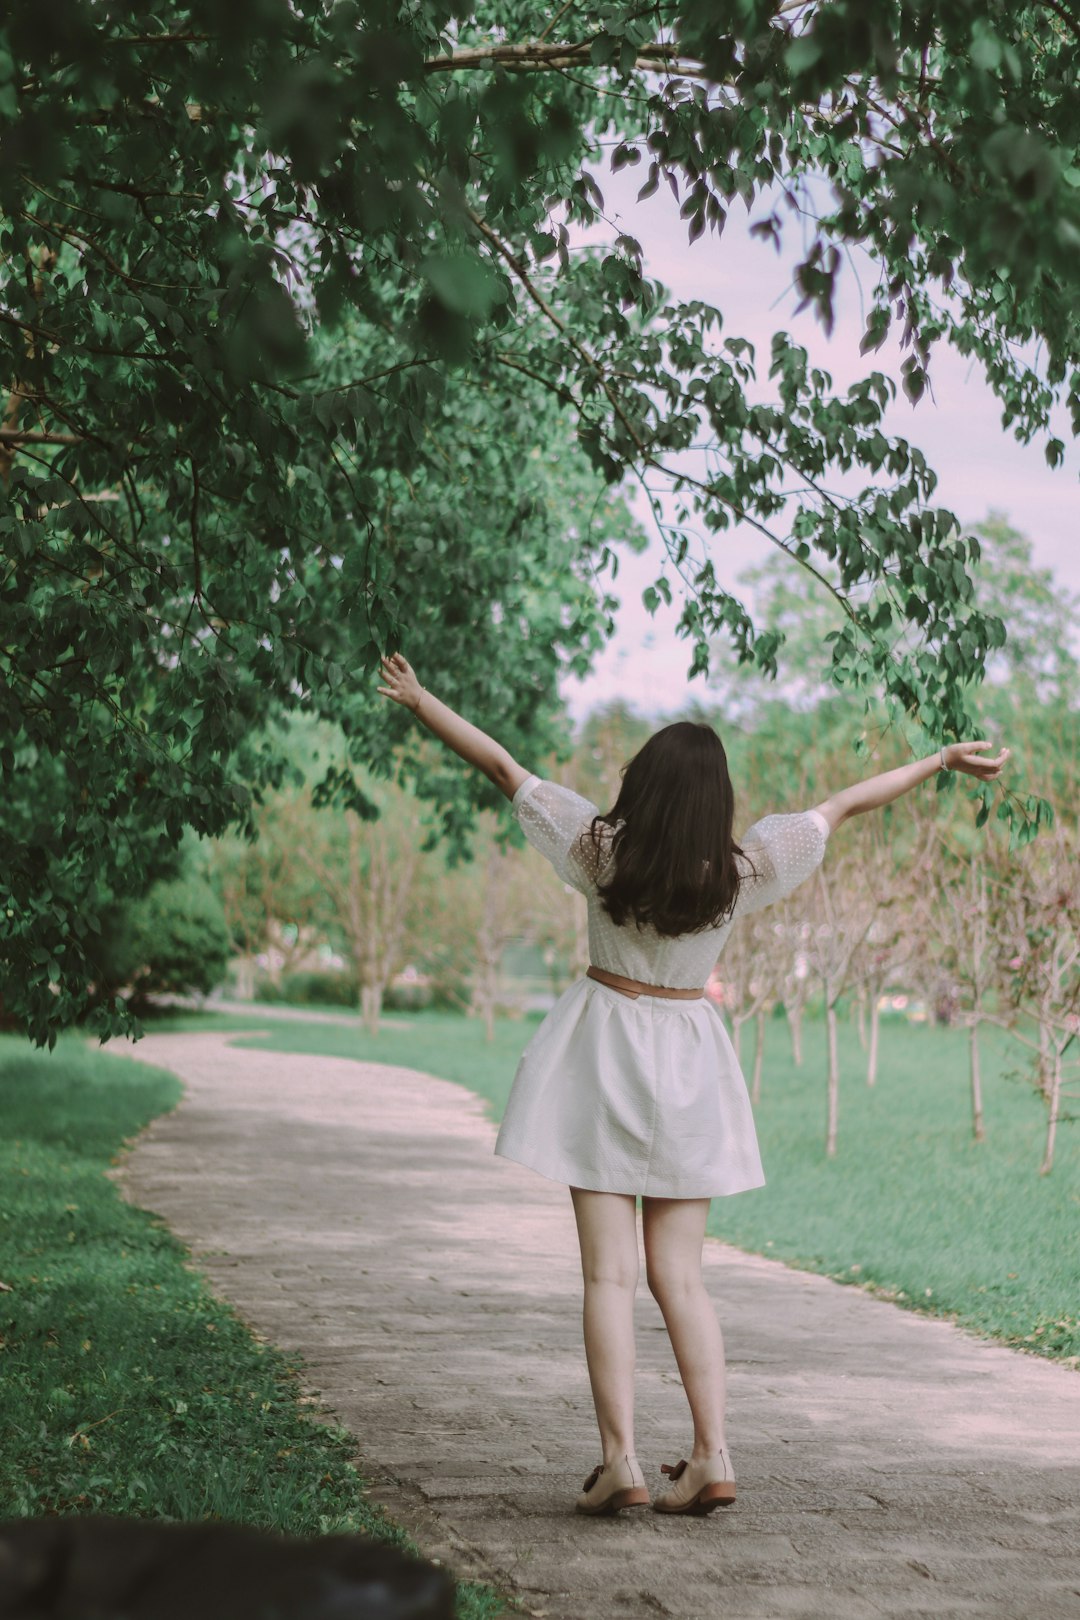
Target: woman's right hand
point(965, 756)
point(401, 682)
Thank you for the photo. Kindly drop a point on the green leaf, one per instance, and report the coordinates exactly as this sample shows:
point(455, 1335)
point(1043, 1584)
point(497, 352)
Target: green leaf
point(985, 52)
point(802, 54)
point(464, 284)
point(651, 184)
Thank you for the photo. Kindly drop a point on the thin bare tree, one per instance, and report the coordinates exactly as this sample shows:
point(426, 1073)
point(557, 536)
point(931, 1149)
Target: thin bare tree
point(959, 924)
point(266, 894)
point(748, 973)
point(1042, 931)
point(796, 983)
point(847, 907)
point(367, 873)
point(894, 936)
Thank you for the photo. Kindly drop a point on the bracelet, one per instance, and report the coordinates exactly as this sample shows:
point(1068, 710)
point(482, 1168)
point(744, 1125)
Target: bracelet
point(941, 756)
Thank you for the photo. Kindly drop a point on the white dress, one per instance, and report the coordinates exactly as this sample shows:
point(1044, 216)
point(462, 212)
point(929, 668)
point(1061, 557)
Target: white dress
point(642, 1095)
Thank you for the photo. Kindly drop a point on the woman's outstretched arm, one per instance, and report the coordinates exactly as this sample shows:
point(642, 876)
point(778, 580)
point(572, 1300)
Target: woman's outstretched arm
point(879, 790)
point(465, 739)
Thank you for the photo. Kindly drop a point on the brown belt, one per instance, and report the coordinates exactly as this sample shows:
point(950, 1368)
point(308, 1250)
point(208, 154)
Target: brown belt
point(634, 987)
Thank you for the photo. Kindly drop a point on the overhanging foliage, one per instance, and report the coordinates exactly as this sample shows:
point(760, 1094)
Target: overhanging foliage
point(267, 267)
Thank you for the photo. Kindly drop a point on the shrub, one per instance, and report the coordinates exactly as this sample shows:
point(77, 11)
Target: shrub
point(174, 938)
point(407, 997)
point(332, 989)
point(451, 987)
point(266, 990)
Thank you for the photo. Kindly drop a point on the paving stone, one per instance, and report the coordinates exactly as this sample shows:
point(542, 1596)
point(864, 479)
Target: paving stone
point(354, 1215)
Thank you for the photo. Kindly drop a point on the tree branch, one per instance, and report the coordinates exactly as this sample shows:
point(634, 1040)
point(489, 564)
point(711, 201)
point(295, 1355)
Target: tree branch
point(648, 459)
point(532, 57)
point(163, 39)
point(16, 436)
point(79, 238)
point(1065, 15)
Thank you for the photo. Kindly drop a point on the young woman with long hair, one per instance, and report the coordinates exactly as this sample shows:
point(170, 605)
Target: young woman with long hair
point(630, 1087)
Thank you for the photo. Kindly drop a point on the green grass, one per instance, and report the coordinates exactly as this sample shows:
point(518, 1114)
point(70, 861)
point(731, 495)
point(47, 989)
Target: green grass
point(912, 1207)
point(910, 1203)
point(125, 1386)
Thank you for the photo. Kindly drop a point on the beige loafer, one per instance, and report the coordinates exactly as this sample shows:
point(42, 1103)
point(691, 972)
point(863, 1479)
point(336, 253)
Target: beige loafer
point(697, 1487)
point(609, 1490)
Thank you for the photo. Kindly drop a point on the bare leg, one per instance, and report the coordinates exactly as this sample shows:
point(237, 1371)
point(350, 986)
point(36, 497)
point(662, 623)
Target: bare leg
point(674, 1231)
point(607, 1233)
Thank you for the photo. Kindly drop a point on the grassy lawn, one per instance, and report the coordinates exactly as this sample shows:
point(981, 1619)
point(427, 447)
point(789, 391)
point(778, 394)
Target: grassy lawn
point(125, 1386)
point(910, 1207)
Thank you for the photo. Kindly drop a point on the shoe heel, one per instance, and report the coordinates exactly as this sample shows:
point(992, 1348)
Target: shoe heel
point(637, 1496)
point(720, 1494)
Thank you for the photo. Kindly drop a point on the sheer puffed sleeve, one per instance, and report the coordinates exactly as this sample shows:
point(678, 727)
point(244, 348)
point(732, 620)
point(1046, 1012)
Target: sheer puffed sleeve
point(784, 850)
point(552, 818)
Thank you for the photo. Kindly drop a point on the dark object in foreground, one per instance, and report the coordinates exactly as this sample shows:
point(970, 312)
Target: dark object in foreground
point(97, 1567)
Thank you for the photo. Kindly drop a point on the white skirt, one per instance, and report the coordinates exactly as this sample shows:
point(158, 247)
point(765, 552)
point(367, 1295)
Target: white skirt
point(640, 1096)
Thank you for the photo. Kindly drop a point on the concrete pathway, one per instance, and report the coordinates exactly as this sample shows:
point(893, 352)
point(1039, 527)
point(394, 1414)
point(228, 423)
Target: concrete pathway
point(888, 1464)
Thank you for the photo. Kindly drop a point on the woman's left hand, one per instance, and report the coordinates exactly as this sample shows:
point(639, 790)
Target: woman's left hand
point(401, 682)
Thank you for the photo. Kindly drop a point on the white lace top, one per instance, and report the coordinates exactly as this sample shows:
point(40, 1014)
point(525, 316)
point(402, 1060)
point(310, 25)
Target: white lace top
point(784, 849)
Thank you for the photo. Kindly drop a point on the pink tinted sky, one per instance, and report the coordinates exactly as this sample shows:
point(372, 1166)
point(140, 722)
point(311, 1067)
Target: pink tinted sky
point(980, 465)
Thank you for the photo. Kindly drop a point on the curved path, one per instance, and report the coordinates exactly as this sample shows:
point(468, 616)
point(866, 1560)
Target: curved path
point(888, 1464)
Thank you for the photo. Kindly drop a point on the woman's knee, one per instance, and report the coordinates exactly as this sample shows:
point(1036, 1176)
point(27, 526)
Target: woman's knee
point(670, 1284)
point(674, 1232)
point(612, 1270)
point(607, 1234)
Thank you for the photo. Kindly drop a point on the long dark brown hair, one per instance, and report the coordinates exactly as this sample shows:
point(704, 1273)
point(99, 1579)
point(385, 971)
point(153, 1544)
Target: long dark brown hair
point(674, 856)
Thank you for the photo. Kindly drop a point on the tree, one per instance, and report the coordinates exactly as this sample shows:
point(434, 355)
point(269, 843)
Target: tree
point(175, 938)
point(847, 911)
point(607, 741)
point(892, 938)
point(749, 972)
point(368, 871)
point(1044, 983)
point(1036, 665)
point(248, 264)
point(796, 981)
point(261, 883)
point(960, 916)
point(473, 911)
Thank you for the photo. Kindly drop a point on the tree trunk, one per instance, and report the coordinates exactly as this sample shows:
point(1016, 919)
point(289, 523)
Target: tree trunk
point(736, 1037)
point(244, 977)
point(371, 1006)
point(875, 1025)
point(1045, 1085)
point(794, 1018)
point(834, 1080)
point(759, 1052)
point(978, 1129)
point(486, 991)
point(13, 406)
point(1052, 1123)
point(860, 1014)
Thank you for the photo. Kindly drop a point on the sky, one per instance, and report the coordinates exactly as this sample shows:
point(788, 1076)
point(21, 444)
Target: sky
point(981, 467)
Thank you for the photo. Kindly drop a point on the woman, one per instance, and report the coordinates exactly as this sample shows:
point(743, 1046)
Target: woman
point(631, 1087)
